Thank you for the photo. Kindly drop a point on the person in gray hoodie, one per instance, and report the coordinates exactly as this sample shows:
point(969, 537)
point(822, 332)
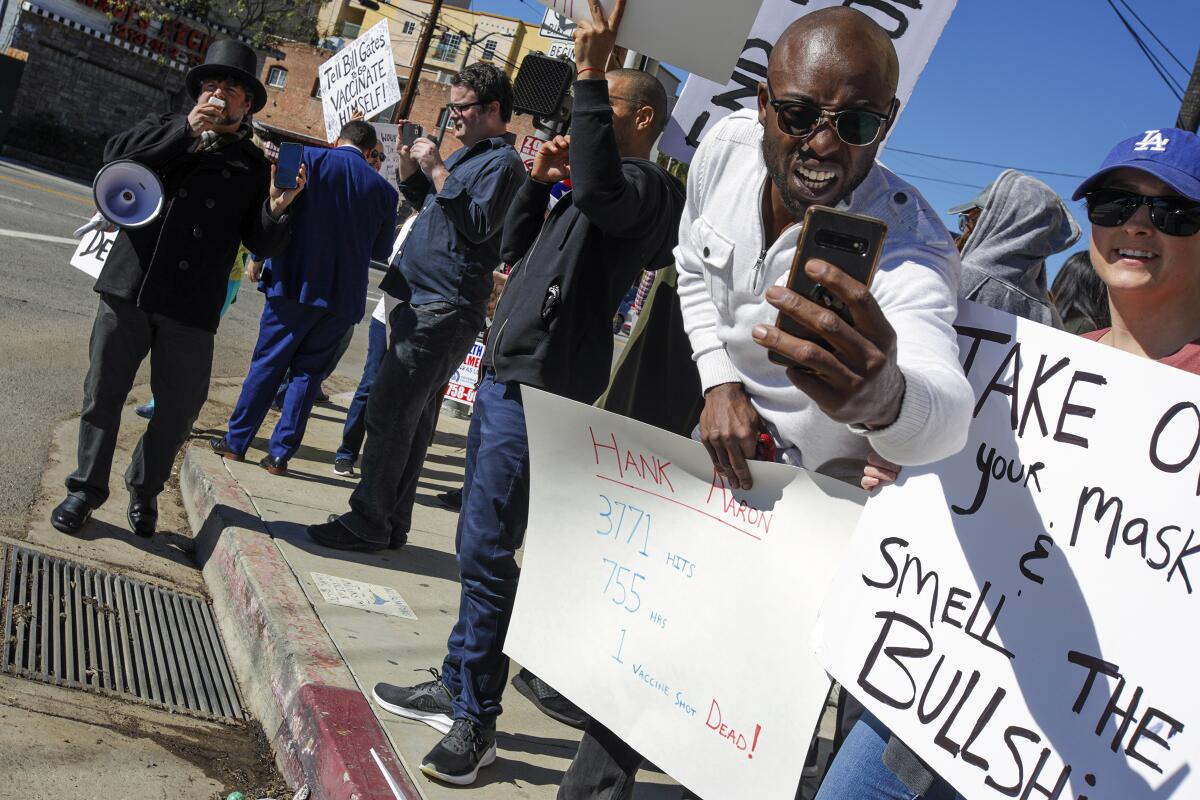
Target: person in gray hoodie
point(1019, 223)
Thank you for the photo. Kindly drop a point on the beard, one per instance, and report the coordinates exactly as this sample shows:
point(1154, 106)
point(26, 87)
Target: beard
point(776, 155)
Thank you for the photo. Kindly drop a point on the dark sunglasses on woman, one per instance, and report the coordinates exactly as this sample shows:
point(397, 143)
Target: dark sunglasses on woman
point(1174, 216)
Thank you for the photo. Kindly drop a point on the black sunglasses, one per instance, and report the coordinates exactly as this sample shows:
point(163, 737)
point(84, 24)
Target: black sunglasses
point(855, 127)
point(1174, 216)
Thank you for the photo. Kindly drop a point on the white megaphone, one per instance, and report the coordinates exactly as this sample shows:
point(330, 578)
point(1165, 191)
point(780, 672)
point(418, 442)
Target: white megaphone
point(128, 194)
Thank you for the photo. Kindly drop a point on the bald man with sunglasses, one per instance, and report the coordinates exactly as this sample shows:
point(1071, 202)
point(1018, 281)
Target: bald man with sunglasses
point(891, 381)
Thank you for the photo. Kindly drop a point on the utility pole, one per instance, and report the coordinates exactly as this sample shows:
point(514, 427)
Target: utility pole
point(414, 75)
point(1189, 111)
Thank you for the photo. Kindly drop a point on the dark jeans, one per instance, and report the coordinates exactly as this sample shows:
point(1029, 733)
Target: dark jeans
point(356, 417)
point(180, 365)
point(491, 526)
point(292, 336)
point(428, 342)
point(604, 767)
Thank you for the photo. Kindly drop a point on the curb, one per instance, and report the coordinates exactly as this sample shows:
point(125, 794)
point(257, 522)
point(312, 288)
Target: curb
point(294, 680)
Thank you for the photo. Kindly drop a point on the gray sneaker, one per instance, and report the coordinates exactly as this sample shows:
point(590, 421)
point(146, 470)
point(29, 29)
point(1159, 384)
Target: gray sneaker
point(461, 753)
point(429, 702)
point(344, 467)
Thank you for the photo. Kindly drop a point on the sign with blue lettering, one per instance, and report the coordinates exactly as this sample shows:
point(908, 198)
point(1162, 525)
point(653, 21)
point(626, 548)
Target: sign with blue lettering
point(1021, 614)
point(650, 590)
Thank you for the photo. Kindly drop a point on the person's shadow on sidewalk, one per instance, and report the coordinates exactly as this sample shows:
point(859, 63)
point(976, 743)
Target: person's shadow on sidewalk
point(412, 558)
point(165, 544)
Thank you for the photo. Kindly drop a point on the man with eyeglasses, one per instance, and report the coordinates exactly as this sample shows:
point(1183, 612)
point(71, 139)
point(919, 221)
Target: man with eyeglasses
point(316, 291)
point(164, 284)
point(442, 276)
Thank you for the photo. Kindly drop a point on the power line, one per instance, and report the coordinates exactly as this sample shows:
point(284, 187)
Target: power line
point(983, 163)
point(1154, 62)
point(939, 180)
point(1161, 43)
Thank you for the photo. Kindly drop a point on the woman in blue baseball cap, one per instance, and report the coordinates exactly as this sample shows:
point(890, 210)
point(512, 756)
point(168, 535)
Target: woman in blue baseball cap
point(1144, 206)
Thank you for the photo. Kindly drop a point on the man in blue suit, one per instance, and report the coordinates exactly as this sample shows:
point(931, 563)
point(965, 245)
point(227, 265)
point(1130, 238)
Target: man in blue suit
point(316, 291)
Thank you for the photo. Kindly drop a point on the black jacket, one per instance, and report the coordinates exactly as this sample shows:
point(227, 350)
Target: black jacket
point(178, 265)
point(553, 326)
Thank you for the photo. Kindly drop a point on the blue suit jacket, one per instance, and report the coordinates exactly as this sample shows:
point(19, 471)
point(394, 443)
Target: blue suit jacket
point(345, 216)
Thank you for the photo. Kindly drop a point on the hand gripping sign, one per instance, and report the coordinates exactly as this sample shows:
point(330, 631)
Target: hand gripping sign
point(650, 591)
point(1022, 614)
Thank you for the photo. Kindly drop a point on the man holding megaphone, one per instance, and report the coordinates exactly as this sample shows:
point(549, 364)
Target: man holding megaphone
point(165, 280)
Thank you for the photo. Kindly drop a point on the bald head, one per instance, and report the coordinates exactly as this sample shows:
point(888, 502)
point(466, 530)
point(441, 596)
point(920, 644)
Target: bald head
point(839, 38)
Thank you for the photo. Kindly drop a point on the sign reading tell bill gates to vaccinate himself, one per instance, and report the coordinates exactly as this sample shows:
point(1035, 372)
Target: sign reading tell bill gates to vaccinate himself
point(914, 28)
point(362, 77)
point(1022, 615)
point(674, 610)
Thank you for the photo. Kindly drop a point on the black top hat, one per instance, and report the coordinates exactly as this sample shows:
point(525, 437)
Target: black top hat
point(227, 58)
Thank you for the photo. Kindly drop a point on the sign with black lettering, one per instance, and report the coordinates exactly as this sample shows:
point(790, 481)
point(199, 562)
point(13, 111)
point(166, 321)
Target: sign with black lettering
point(914, 26)
point(361, 76)
point(1021, 615)
point(92, 251)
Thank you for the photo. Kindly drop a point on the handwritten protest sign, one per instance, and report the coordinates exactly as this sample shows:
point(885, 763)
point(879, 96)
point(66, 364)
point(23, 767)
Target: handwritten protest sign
point(362, 75)
point(1022, 614)
point(700, 36)
point(706, 99)
point(389, 141)
point(461, 387)
point(674, 610)
point(92, 251)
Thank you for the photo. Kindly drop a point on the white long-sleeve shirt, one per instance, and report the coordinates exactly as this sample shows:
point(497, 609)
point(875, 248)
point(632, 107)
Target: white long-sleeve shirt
point(725, 270)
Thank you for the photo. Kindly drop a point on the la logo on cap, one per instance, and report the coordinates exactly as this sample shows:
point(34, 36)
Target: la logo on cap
point(1153, 140)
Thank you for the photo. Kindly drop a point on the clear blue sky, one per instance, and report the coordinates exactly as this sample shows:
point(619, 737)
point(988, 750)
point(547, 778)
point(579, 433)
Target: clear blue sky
point(1043, 84)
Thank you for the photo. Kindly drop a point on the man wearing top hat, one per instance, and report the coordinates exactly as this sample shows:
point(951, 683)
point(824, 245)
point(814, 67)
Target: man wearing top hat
point(163, 284)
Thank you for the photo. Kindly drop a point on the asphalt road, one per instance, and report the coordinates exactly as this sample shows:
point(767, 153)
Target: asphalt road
point(46, 312)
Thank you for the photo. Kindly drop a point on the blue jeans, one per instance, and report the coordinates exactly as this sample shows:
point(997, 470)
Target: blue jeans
point(356, 415)
point(491, 526)
point(858, 771)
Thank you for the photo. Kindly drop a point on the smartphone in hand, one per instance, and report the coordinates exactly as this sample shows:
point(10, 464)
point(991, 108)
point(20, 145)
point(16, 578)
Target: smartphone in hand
point(287, 166)
point(852, 243)
point(411, 132)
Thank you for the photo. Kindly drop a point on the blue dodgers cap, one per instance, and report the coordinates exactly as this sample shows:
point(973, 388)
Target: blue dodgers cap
point(1169, 154)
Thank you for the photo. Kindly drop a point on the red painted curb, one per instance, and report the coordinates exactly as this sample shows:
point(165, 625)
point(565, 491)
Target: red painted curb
point(293, 678)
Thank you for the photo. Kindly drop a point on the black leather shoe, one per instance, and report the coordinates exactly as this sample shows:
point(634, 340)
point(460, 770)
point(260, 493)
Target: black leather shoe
point(70, 515)
point(143, 515)
point(335, 535)
point(273, 465)
point(222, 448)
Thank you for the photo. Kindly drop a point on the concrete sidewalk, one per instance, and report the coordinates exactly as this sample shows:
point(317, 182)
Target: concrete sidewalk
point(376, 639)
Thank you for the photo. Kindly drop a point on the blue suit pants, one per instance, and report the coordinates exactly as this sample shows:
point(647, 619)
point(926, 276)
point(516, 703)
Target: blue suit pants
point(291, 336)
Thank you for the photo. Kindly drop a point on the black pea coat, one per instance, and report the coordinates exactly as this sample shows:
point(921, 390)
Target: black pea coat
point(179, 265)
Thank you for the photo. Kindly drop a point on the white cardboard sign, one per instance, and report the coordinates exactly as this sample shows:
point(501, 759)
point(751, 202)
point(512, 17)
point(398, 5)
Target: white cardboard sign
point(461, 387)
point(388, 135)
point(362, 75)
point(1022, 615)
point(699, 36)
point(92, 251)
point(706, 99)
point(672, 609)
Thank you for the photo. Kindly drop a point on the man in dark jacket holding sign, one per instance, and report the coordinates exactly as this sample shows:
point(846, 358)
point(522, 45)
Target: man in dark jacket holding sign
point(163, 285)
point(552, 330)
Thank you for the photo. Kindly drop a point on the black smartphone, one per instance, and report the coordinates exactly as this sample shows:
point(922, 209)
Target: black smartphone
point(287, 166)
point(851, 242)
point(411, 132)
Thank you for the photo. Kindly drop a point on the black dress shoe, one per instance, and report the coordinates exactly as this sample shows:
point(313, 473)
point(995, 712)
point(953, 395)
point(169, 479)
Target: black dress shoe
point(273, 465)
point(335, 535)
point(143, 515)
point(70, 515)
point(221, 447)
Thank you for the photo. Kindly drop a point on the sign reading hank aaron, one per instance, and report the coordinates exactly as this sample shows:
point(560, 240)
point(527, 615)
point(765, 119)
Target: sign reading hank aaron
point(914, 27)
point(362, 76)
point(1022, 614)
point(649, 588)
point(697, 36)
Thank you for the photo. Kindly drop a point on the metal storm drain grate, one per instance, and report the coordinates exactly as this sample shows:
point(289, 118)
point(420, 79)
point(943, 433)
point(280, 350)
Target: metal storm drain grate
point(72, 625)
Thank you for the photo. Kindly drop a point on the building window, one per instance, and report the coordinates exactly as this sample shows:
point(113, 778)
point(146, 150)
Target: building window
point(443, 118)
point(316, 92)
point(447, 49)
point(349, 30)
point(277, 77)
point(489, 50)
point(409, 27)
point(445, 77)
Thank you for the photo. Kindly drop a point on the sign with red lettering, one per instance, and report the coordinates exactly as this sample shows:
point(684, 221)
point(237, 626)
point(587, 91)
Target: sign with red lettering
point(1020, 614)
point(650, 590)
point(462, 383)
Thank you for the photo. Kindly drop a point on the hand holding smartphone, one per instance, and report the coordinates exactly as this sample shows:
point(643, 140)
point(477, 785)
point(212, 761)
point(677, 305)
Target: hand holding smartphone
point(410, 133)
point(287, 166)
point(850, 242)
